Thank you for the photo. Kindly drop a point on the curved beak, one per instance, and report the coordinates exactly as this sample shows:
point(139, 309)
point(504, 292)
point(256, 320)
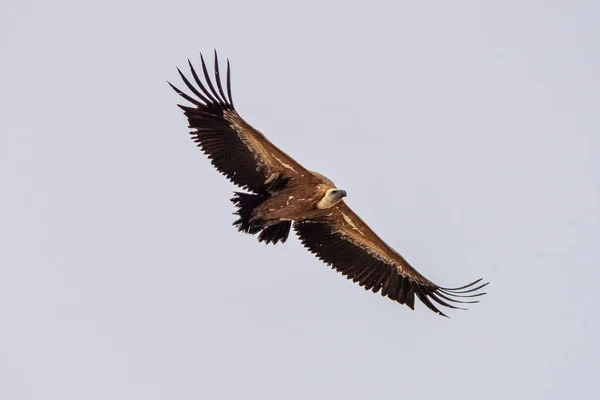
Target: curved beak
point(342, 193)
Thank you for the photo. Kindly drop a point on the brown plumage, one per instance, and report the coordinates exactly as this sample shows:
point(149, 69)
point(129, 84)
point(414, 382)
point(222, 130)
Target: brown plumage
point(282, 192)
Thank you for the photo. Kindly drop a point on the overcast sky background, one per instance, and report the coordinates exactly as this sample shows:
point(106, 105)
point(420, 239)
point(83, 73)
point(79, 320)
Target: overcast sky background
point(467, 135)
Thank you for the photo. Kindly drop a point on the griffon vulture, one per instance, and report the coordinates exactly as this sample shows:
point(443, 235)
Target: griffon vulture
point(281, 193)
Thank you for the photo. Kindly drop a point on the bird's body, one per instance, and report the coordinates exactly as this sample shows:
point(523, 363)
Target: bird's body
point(282, 192)
point(290, 204)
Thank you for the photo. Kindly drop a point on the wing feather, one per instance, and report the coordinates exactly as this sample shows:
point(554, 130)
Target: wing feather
point(346, 242)
point(209, 81)
point(237, 150)
point(218, 77)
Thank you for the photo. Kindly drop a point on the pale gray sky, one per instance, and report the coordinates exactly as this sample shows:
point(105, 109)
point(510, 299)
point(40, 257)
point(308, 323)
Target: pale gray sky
point(466, 134)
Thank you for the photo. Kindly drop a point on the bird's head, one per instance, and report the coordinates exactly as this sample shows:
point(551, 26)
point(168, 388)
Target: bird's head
point(331, 198)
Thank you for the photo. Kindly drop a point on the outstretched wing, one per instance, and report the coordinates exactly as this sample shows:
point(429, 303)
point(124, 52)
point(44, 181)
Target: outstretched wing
point(346, 242)
point(236, 149)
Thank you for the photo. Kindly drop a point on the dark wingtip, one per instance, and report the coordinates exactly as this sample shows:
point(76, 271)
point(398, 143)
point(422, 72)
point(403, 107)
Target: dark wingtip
point(456, 294)
point(465, 286)
point(174, 88)
point(443, 303)
point(185, 96)
point(209, 91)
point(445, 296)
point(209, 82)
point(218, 79)
point(228, 83)
point(207, 98)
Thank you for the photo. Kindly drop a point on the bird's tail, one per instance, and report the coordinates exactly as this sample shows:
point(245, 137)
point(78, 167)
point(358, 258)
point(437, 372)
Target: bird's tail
point(246, 204)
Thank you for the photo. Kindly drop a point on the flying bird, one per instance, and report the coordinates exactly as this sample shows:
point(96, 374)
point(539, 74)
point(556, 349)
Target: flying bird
point(281, 194)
